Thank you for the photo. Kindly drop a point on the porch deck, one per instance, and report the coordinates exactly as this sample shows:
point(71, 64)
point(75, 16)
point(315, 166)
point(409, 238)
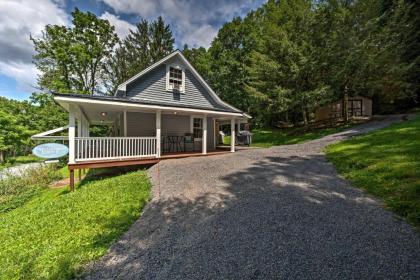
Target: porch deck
point(142, 160)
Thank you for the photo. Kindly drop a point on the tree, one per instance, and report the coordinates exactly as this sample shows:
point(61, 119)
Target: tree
point(228, 57)
point(12, 134)
point(117, 70)
point(396, 64)
point(200, 59)
point(71, 59)
point(283, 69)
point(44, 114)
point(145, 45)
point(137, 48)
point(21, 119)
point(161, 40)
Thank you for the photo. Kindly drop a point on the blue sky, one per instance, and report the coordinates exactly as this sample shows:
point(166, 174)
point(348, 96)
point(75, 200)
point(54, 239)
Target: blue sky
point(192, 22)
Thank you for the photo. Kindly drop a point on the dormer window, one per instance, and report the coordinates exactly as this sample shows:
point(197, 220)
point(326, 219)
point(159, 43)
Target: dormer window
point(175, 78)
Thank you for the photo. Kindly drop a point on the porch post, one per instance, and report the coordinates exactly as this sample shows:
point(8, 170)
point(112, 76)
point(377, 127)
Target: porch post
point(232, 135)
point(79, 127)
point(204, 142)
point(215, 134)
point(72, 132)
point(158, 136)
point(125, 123)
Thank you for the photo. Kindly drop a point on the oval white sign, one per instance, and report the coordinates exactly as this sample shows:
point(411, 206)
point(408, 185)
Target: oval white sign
point(50, 150)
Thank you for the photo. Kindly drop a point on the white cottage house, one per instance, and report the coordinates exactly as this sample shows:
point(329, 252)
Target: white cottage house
point(166, 110)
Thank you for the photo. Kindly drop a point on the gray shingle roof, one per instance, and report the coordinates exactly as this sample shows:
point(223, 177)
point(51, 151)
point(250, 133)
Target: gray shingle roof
point(142, 101)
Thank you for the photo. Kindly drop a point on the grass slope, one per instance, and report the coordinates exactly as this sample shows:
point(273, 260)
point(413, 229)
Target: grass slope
point(385, 163)
point(266, 138)
point(53, 235)
point(275, 137)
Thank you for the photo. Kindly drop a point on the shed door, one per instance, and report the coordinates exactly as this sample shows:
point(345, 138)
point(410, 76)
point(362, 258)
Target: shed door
point(355, 108)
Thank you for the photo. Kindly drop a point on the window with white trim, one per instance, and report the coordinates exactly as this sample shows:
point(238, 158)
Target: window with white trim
point(175, 78)
point(198, 128)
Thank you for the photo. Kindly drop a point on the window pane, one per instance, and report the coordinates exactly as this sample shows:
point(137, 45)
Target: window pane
point(198, 133)
point(175, 77)
point(198, 128)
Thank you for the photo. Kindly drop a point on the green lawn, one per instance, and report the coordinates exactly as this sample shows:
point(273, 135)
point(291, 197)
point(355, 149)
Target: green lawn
point(12, 161)
point(266, 138)
point(385, 163)
point(55, 233)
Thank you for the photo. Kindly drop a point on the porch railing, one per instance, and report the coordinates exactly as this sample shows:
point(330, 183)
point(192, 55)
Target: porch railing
point(98, 148)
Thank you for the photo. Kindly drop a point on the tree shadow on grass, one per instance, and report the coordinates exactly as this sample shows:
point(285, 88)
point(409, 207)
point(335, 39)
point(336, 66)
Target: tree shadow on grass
point(270, 217)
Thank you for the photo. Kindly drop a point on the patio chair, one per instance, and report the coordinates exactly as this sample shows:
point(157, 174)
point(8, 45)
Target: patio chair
point(189, 139)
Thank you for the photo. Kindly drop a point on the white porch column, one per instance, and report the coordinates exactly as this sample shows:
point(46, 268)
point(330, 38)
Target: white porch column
point(215, 134)
point(125, 123)
point(158, 132)
point(191, 124)
point(87, 129)
point(79, 127)
point(204, 142)
point(232, 135)
point(72, 135)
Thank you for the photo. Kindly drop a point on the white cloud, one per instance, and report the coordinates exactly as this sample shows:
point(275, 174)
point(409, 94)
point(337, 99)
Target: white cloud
point(122, 27)
point(201, 36)
point(144, 8)
point(193, 22)
point(24, 73)
point(19, 20)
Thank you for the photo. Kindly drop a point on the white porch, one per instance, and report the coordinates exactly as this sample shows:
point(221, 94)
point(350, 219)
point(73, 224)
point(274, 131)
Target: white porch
point(142, 133)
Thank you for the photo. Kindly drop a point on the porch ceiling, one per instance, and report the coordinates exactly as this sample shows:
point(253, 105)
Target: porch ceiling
point(94, 111)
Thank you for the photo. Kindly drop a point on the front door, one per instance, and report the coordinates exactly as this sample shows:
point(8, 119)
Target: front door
point(197, 131)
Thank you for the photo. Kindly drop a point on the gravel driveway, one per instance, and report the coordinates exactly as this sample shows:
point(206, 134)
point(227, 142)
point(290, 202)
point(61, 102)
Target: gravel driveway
point(274, 213)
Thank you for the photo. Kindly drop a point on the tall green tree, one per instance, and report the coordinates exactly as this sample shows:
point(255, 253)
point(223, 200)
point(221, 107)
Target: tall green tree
point(137, 48)
point(283, 69)
point(10, 133)
point(228, 58)
point(148, 43)
point(44, 114)
point(15, 127)
point(200, 59)
point(396, 65)
point(161, 39)
point(71, 59)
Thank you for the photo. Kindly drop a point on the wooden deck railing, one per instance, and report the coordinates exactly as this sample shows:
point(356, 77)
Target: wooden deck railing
point(102, 148)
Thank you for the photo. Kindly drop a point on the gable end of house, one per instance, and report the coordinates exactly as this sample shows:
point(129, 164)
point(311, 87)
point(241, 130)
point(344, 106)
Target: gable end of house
point(174, 81)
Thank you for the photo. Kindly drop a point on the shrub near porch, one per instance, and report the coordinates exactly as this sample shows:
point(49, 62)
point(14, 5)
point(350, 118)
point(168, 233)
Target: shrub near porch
point(57, 232)
point(385, 163)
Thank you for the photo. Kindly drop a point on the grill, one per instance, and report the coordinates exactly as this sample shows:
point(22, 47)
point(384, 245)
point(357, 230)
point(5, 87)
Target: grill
point(244, 138)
